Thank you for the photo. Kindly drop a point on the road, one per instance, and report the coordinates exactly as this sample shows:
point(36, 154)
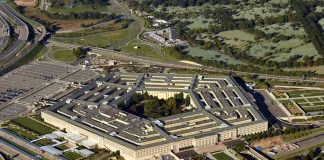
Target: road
point(149, 61)
point(4, 33)
point(12, 50)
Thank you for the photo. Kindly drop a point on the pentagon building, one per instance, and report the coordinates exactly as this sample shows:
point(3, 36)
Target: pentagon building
point(222, 111)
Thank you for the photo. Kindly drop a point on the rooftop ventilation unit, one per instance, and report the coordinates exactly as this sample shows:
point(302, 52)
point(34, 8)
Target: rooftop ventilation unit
point(159, 123)
point(68, 101)
point(173, 136)
point(112, 133)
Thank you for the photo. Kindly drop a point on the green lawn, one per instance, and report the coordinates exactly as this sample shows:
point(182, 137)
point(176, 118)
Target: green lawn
point(62, 54)
point(305, 93)
point(112, 36)
point(302, 100)
point(71, 155)
point(62, 147)
point(146, 50)
point(313, 99)
point(222, 156)
point(23, 134)
point(313, 108)
point(33, 125)
point(300, 134)
point(44, 142)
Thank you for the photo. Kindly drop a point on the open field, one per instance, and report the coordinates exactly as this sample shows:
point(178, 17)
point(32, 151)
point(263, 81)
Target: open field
point(143, 49)
point(112, 36)
point(287, 29)
point(63, 54)
point(61, 24)
point(279, 1)
point(254, 12)
point(210, 54)
point(317, 69)
point(236, 38)
point(199, 22)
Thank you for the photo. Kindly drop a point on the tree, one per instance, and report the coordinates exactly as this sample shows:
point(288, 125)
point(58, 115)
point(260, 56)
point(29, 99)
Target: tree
point(79, 52)
point(171, 103)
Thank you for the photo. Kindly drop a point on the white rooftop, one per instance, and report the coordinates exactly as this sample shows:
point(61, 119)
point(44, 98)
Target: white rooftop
point(51, 150)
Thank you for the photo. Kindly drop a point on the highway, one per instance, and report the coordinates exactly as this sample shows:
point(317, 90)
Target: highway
point(4, 33)
point(23, 34)
point(148, 61)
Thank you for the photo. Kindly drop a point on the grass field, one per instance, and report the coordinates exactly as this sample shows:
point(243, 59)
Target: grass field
point(62, 147)
point(236, 38)
point(111, 36)
point(313, 99)
point(71, 155)
point(33, 125)
point(44, 142)
point(210, 54)
point(222, 156)
point(300, 134)
point(254, 12)
point(284, 29)
point(313, 108)
point(62, 54)
point(62, 24)
point(199, 22)
point(317, 69)
point(22, 133)
point(305, 93)
point(300, 100)
point(143, 50)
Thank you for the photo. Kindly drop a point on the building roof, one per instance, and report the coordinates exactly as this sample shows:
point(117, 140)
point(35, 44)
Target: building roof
point(221, 105)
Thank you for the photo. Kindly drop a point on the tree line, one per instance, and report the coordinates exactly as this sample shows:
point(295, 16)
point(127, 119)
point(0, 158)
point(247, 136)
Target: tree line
point(83, 15)
point(310, 20)
point(61, 3)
